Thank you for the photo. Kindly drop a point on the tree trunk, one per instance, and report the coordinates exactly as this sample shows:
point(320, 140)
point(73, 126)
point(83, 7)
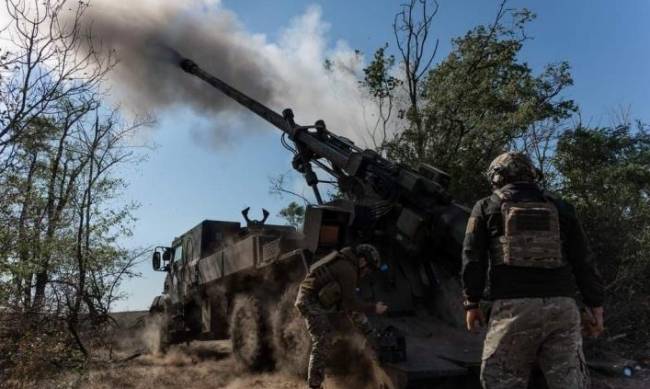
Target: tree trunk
point(23, 247)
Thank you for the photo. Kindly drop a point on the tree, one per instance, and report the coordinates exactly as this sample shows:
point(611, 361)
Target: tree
point(61, 262)
point(294, 214)
point(381, 86)
point(411, 27)
point(479, 101)
point(605, 174)
point(46, 62)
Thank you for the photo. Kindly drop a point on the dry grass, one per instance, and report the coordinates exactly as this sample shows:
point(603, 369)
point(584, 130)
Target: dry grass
point(134, 363)
point(202, 365)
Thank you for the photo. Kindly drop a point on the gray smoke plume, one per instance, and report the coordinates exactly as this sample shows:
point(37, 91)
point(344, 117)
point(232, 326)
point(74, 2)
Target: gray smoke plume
point(149, 39)
point(148, 36)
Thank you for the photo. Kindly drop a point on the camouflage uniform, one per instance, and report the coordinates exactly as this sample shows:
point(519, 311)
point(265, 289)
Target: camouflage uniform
point(532, 275)
point(340, 268)
point(526, 331)
point(320, 332)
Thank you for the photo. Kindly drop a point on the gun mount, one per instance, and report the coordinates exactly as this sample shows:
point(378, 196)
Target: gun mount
point(228, 281)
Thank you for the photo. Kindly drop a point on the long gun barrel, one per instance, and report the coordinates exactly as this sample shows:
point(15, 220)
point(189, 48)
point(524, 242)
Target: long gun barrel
point(284, 123)
point(272, 117)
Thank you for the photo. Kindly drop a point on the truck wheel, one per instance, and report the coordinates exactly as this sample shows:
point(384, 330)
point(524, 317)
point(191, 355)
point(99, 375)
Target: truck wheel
point(290, 337)
point(248, 332)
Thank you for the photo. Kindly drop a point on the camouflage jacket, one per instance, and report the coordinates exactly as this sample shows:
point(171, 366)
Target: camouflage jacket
point(344, 271)
point(480, 275)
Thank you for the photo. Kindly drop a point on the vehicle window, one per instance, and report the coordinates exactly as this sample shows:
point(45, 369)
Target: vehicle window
point(178, 253)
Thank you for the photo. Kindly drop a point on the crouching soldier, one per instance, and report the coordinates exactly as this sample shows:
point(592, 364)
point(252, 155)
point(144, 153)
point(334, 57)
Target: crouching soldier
point(330, 286)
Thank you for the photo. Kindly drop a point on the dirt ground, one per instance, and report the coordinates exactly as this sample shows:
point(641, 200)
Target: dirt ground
point(200, 365)
point(134, 363)
point(209, 365)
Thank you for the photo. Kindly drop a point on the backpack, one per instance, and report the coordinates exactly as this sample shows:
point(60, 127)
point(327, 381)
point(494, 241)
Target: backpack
point(531, 234)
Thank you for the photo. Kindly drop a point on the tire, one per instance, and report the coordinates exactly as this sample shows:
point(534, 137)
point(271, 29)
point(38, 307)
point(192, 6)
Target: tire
point(291, 341)
point(248, 333)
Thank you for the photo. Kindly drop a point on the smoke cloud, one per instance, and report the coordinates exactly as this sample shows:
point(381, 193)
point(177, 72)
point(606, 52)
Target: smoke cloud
point(144, 35)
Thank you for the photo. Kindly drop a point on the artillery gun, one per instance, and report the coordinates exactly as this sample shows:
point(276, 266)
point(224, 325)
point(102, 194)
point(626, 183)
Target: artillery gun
point(225, 280)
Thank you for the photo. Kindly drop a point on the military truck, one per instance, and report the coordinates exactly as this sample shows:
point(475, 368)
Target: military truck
point(220, 278)
point(226, 280)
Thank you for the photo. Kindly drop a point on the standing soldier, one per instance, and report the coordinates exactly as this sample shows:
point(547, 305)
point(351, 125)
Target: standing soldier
point(329, 287)
point(528, 252)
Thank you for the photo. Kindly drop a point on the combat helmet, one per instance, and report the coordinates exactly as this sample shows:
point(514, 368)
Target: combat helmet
point(370, 253)
point(511, 167)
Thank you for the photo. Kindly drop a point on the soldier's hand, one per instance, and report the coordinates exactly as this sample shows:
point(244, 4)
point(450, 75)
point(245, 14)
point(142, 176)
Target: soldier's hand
point(597, 322)
point(380, 308)
point(474, 319)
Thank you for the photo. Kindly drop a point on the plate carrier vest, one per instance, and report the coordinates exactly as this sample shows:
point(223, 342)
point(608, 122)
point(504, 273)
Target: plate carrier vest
point(330, 290)
point(531, 234)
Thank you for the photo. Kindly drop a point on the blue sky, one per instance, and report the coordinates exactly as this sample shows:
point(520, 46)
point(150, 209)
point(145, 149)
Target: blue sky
point(186, 180)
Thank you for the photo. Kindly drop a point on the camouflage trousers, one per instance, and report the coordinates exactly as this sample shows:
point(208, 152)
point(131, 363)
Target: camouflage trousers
point(528, 331)
point(321, 332)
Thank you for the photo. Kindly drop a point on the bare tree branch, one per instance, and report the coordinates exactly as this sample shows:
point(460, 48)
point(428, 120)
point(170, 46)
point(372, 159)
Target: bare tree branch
point(411, 28)
point(278, 186)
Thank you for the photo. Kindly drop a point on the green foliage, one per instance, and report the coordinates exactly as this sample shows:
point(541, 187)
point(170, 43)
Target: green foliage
point(294, 214)
point(478, 101)
point(60, 259)
point(381, 85)
point(606, 175)
point(377, 78)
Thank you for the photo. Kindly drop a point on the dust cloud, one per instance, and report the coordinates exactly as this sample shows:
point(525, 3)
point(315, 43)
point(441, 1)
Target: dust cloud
point(353, 364)
point(150, 334)
point(203, 365)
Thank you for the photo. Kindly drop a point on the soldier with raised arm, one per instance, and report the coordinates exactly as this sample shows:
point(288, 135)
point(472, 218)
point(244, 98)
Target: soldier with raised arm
point(330, 286)
point(527, 249)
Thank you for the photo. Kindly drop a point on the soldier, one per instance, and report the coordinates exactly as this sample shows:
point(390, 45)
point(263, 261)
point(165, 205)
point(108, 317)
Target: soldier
point(528, 252)
point(329, 287)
